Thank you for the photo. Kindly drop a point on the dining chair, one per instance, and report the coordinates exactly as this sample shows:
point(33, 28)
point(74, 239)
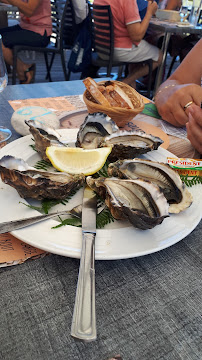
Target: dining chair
point(101, 20)
point(62, 37)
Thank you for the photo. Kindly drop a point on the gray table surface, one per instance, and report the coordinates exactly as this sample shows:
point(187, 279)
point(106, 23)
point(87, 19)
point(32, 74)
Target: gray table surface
point(173, 28)
point(148, 308)
point(169, 28)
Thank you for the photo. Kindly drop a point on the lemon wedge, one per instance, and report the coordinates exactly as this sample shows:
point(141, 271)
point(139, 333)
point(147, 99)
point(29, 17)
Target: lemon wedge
point(77, 160)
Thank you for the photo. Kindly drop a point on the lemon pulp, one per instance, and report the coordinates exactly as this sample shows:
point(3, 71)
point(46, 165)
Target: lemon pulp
point(77, 160)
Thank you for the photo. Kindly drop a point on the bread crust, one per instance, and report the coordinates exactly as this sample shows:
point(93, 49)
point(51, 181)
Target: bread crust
point(109, 94)
point(93, 89)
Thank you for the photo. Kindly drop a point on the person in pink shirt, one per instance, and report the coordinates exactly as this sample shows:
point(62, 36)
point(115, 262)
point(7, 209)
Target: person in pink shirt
point(34, 29)
point(129, 31)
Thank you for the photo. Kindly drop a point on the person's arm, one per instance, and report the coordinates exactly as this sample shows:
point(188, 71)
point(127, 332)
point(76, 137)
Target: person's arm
point(182, 87)
point(173, 5)
point(137, 30)
point(27, 8)
point(80, 9)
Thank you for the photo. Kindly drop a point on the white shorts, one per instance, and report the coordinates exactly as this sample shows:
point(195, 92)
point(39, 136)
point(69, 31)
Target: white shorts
point(143, 51)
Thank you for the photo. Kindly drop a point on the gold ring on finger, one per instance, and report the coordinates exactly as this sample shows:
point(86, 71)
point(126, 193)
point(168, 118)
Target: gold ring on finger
point(187, 105)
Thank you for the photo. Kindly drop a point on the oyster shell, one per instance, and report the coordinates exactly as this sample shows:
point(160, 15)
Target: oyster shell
point(43, 137)
point(99, 130)
point(139, 201)
point(36, 184)
point(128, 144)
point(93, 129)
point(161, 174)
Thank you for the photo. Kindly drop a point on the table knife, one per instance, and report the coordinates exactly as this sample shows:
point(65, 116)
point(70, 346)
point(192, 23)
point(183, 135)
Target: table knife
point(84, 317)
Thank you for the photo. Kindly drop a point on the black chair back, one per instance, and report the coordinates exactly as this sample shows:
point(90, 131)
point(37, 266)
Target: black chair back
point(63, 23)
point(69, 28)
point(102, 30)
point(57, 7)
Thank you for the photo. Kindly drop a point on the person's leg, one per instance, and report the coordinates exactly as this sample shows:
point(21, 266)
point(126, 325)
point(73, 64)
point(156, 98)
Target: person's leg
point(21, 66)
point(136, 58)
point(17, 36)
point(137, 71)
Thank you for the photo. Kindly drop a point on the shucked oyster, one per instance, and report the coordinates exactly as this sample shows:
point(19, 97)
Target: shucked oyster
point(139, 201)
point(99, 130)
point(93, 129)
point(159, 173)
point(36, 184)
point(43, 137)
point(128, 144)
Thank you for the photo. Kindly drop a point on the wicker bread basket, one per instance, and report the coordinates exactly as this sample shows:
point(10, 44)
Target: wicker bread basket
point(120, 115)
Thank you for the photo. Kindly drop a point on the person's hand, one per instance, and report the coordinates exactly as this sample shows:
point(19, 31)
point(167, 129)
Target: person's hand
point(170, 102)
point(152, 7)
point(194, 127)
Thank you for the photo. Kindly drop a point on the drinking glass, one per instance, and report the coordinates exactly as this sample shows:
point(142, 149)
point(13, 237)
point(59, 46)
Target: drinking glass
point(183, 13)
point(5, 133)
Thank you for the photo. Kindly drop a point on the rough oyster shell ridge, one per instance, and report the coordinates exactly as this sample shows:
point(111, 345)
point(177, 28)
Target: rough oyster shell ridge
point(32, 183)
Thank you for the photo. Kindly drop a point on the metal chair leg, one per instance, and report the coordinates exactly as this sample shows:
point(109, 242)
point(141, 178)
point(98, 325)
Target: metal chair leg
point(51, 63)
point(48, 75)
point(68, 75)
point(64, 65)
point(120, 71)
point(171, 65)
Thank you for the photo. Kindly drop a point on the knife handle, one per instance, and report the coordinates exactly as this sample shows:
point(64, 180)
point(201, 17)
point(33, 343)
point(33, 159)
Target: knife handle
point(84, 318)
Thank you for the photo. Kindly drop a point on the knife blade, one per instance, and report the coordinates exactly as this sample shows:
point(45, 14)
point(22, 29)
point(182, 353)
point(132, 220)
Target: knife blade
point(84, 317)
point(9, 226)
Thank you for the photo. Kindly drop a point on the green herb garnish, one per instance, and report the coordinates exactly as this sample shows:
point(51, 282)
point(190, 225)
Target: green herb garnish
point(42, 165)
point(190, 182)
point(70, 221)
point(104, 218)
point(103, 171)
point(47, 204)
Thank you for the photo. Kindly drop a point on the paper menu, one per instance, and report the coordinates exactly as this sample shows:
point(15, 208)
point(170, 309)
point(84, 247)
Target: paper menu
point(14, 251)
point(57, 104)
point(169, 129)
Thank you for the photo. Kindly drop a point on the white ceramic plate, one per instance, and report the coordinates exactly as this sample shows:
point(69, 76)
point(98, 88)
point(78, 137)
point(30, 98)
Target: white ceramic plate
point(118, 240)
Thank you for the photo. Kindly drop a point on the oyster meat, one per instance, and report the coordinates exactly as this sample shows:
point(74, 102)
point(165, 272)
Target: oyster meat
point(32, 183)
point(139, 201)
point(99, 130)
point(161, 174)
point(94, 128)
point(43, 137)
